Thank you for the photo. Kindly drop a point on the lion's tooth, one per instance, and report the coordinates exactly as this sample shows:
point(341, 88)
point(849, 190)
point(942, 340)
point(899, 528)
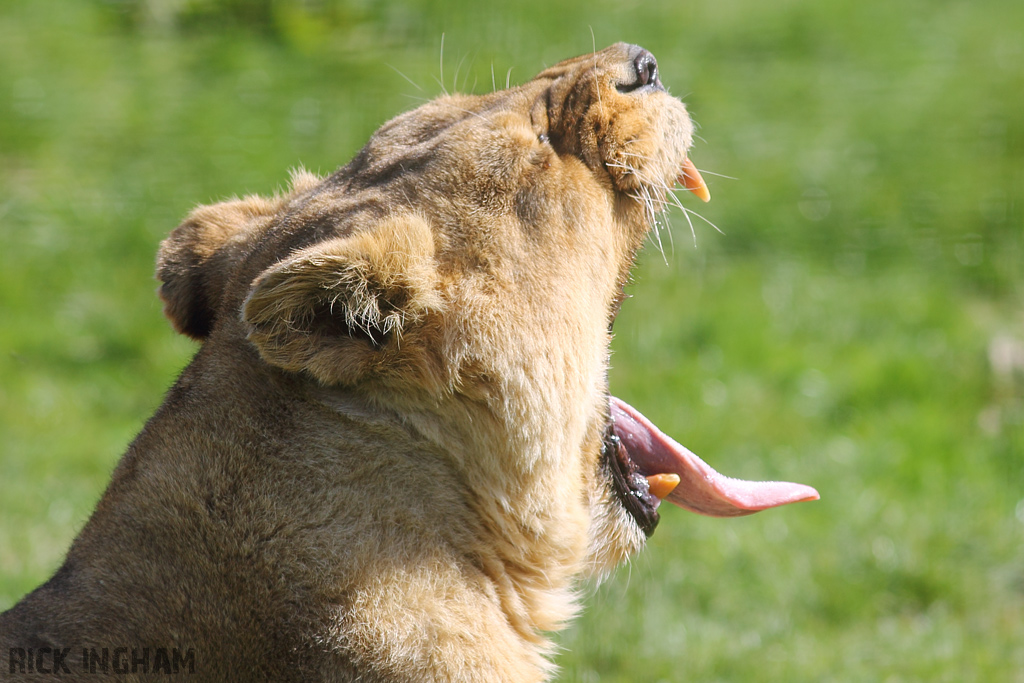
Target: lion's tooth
point(662, 484)
point(691, 180)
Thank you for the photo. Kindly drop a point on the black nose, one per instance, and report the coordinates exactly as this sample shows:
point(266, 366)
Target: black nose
point(646, 69)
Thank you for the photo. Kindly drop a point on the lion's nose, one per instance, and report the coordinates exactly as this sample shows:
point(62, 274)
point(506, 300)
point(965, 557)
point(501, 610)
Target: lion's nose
point(645, 71)
point(646, 68)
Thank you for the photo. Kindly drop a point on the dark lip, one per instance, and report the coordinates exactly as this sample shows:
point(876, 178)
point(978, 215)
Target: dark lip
point(630, 485)
point(638, 88)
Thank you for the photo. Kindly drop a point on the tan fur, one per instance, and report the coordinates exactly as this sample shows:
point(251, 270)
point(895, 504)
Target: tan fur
point(383, 462)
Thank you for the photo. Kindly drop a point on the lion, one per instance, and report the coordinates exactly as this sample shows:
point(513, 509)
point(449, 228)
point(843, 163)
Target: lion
point(394, 456)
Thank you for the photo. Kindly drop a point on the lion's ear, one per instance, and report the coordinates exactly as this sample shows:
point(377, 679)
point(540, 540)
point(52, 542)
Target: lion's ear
point(198, 257)
point(196, 260)
point(339, 309)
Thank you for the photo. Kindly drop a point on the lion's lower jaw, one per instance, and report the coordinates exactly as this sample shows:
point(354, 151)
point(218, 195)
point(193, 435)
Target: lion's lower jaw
point(614, 536)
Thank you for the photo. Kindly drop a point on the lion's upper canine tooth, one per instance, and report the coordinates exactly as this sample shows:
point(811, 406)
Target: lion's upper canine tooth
point(690, 179)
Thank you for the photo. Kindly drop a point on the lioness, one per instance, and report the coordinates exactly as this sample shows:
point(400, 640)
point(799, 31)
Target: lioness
point(394, 455)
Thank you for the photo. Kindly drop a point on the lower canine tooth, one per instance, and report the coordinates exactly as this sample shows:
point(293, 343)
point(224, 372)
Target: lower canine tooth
point(662, 484)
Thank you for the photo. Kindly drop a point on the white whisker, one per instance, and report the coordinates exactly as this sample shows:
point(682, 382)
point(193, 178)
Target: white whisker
point(688, 212)
point(717, 229)
point(441, 60)
point(717, 175)
point(597, 86)
point(455, 78)
point(686, 215)
point(652, 217)
point(411, 82)
point(655, 195)
point(671, 238)
point(414, 98)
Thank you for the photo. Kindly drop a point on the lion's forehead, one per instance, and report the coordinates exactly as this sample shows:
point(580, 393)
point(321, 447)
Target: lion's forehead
point(458, 115)
point(490, 130)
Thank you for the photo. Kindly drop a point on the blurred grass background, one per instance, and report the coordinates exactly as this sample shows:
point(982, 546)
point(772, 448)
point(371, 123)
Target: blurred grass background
point(858, 325)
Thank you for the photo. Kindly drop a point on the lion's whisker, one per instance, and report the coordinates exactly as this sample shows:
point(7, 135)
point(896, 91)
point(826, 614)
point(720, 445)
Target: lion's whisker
point(686, 215)
point(671, 193)
point(441, 60)
point(411, 82)
point(717, 175)
point(671, 238)
point(652, 216)
point(688, 212)
point(455, 78)
point(698, 215)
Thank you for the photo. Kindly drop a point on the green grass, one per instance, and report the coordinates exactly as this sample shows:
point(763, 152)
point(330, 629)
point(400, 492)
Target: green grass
point(849, 329)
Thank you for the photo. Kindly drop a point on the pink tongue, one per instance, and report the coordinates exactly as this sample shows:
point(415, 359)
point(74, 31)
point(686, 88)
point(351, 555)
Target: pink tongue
point(701, 489)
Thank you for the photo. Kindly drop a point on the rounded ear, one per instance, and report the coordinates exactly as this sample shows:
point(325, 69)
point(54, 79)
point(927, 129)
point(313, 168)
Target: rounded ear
point(197, 259)
point(339, 309)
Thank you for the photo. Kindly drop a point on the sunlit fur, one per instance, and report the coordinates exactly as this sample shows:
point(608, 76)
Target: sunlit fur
point(383, 463)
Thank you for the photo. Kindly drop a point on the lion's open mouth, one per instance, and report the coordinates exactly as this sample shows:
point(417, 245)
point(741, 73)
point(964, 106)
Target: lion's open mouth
point(637, 453)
